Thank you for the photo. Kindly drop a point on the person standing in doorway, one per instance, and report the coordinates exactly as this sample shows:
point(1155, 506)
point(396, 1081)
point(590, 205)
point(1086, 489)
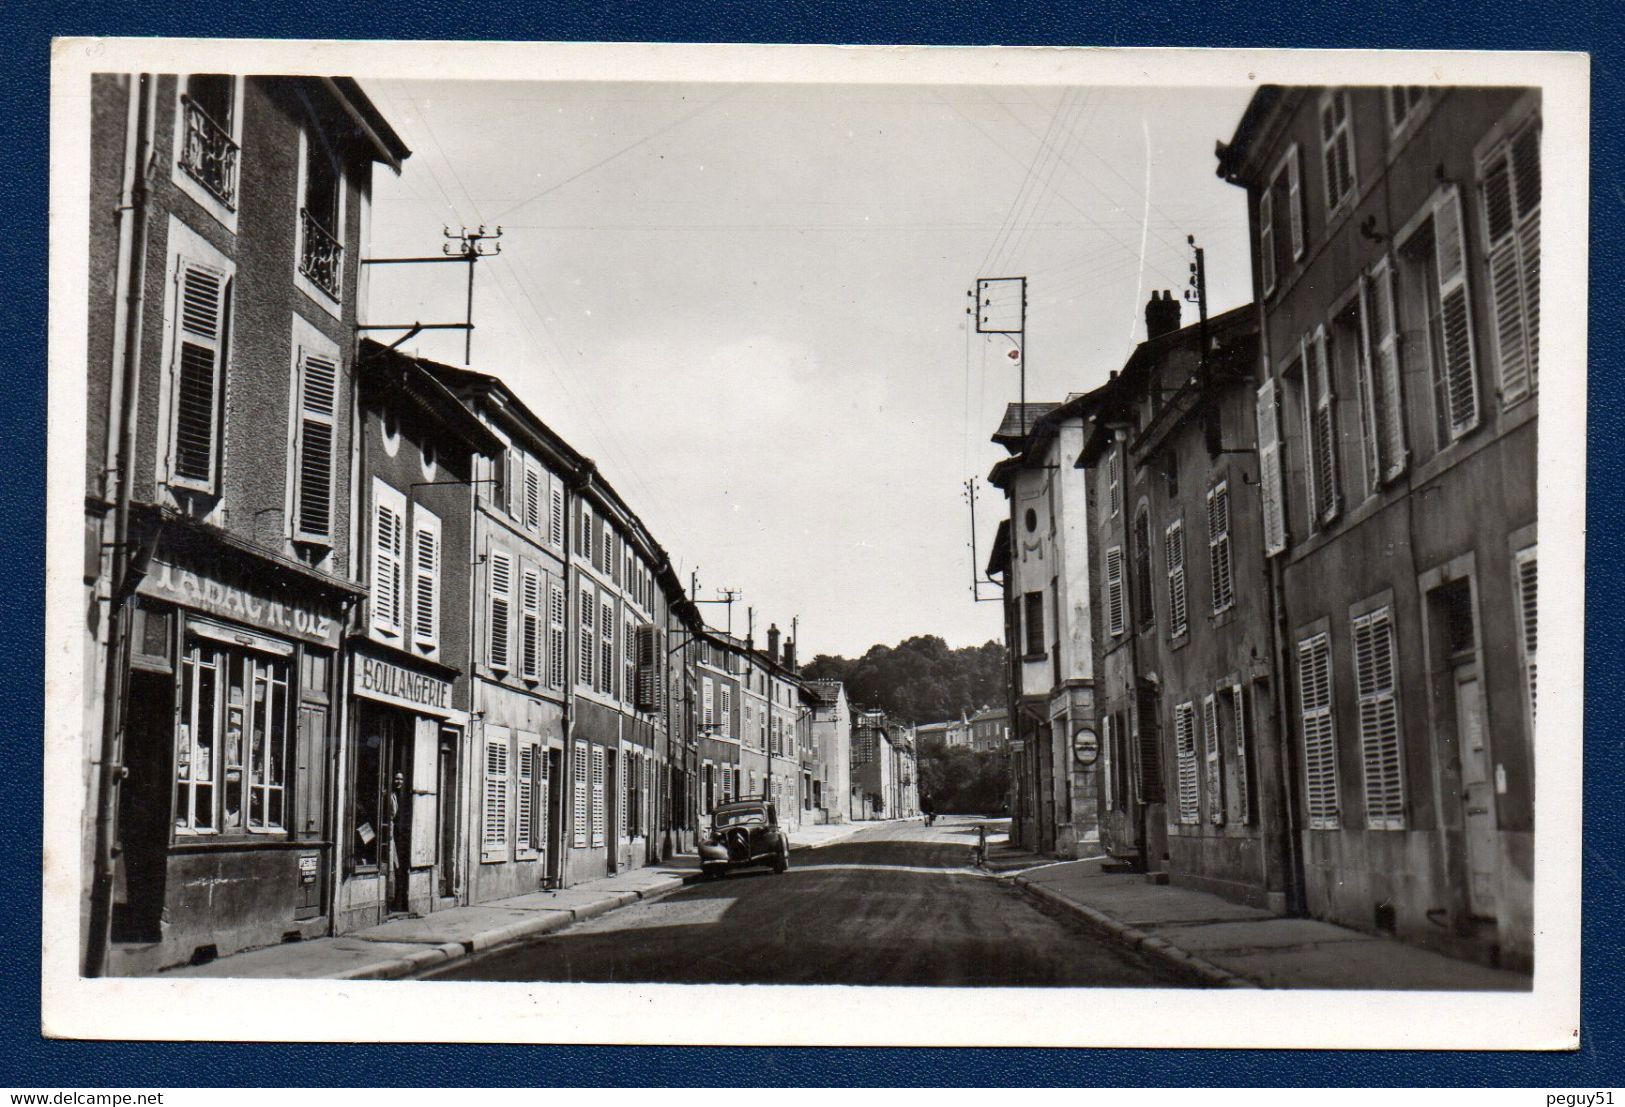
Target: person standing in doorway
point(400, 841)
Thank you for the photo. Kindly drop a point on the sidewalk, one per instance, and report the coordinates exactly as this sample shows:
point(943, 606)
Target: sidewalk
point(1225, 944)
point(408, 946)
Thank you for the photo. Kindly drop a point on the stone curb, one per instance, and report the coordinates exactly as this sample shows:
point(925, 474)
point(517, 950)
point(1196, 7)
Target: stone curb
point(1136, 939)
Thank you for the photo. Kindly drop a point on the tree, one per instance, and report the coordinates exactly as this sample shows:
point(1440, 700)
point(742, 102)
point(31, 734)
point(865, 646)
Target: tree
point(920, 680)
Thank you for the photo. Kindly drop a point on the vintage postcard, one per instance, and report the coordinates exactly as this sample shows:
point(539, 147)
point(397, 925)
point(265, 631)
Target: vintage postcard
point(812, 545)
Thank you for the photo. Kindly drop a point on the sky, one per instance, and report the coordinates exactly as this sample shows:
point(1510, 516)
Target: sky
point(748, 303)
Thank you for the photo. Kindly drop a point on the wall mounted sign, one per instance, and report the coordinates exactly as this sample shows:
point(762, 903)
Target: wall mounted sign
point(390, 683)
point(307, 620)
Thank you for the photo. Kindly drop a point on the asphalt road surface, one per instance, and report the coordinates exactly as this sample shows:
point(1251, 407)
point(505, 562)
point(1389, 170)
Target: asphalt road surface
point(896, 905)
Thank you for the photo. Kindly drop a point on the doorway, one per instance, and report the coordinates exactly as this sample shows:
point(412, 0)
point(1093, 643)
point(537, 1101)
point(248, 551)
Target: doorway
point(382, 813)
point(553, 824)
point(446, 815)
point(612, 811)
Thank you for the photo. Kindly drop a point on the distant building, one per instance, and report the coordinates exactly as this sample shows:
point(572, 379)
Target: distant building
point(989, 729)
point(831, 722)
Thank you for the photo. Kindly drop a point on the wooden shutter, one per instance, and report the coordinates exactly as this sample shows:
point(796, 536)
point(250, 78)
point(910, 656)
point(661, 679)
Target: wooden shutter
point(1380, 740)
point(1323, 431)
point(1174, 550)
point(1244, 802)
point(1388, 376)
point(501, 610)
point(606, 657)
point(597, 796)
point(494, 839)
point(1269, 467)
point(580, 798)
point(555, 635)
point(1337, 147)
point(1114, 481)
point(525, 801)
point(530, 624)
point(513, 483)
point(622, 815)
point(202, 292)
point(1212, 760)
point(1148, 745)
point(1455, 313)
point(1528, 578)
point(425, 578)
point(1185, 754)
point(1266, 236)
point(1319, 736)
point(533, 497)
point(1218, 546)
point(388, 558)
point(313, 486)
point(1114, 590)
point(1511, 204)
point(648, 679)
point(425, 783)
point(555, 517)
point(587, 638)
point(1294, 200)
point(544, 798)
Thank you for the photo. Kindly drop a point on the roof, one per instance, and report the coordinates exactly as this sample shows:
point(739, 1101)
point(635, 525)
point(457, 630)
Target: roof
point(998, 559)
point(1232, 153)
point(1018, 420)
point(826, 689)
point(408, 378)
point(1024, 449)
point(386, 144)
point(990, 713)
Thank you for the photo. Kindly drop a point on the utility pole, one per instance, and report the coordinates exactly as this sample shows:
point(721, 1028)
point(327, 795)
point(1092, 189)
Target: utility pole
point(1197, 294)
point(976, 579)
point(465, 248)
point(1000, 307)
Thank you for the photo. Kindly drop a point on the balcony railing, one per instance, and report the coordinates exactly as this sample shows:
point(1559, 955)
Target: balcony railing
point(321, 256)
point(208, 154)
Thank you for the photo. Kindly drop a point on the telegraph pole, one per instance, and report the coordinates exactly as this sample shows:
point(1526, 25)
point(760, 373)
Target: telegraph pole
point(1197, 294)
point(1000, 307)
point(976, 579)
point(464, 247)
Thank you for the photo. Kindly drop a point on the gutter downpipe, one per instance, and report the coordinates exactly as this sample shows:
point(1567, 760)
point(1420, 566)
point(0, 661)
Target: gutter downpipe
point(131, 285)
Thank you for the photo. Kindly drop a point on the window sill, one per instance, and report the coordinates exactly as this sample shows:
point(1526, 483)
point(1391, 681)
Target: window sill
point(1030, 658)
point(238, 840)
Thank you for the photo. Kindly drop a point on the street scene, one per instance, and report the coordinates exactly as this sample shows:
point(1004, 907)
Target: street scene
point(622, 532)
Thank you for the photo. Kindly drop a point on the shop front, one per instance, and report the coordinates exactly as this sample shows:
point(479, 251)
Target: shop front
point(402, 792)
point(224, 842)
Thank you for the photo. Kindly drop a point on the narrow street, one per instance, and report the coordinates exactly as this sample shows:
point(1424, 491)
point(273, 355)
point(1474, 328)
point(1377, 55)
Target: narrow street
point(890, 906)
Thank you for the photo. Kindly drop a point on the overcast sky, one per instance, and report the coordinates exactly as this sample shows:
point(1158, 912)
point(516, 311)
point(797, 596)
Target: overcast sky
point(747, 302)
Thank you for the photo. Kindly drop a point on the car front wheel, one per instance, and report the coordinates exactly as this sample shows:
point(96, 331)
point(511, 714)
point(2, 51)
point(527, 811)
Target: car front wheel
point(781, 863)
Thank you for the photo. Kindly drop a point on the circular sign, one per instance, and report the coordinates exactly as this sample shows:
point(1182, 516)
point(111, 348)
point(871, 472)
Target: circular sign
point(1014, 355)
point(1085, 745)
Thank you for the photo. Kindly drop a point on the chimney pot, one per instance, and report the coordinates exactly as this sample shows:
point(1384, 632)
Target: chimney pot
point(1161, 315)
point(773, 642)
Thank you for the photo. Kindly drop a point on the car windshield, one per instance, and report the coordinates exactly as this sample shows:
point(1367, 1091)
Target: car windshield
point(743, 816)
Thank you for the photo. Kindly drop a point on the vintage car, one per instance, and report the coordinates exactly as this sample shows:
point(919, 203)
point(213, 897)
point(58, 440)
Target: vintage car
point(745, 832)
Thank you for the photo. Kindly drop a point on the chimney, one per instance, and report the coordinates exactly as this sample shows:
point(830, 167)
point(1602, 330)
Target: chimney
point(1161, 315)
point(790, 654)
point(773, 642)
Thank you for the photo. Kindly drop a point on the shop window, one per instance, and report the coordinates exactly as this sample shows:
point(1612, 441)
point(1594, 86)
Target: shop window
point(231, 745)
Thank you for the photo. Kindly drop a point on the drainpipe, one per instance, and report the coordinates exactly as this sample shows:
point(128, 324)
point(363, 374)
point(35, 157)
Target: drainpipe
point(130, 283)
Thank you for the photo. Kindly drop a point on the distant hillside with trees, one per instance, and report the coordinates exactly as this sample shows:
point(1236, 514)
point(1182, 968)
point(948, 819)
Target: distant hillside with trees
point(919, 680)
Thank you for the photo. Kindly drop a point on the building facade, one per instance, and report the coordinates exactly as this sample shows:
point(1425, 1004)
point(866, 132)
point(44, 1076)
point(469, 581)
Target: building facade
point(1043, 559)
point(1396, 242)
point(830, 722)
point(228, 214)
point(989, 729)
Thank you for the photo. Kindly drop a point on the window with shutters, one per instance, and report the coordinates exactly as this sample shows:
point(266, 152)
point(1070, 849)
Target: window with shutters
point(388, 559)
point(598, 815)
point(203, 295)
point(1509, 176)
point(1185, 758)
point(1174, 553)
point(649, 650)
point(1145, 610)
point(314, 437)
point(1380, 740)
point(1269, 467)
point(1319, 736)
point(604, 557)
point(525, 802)
point(494, 837)
point(541, 787)
point(707, 702)
point(499, 610)
point(555, 517)
point(1383, 377)
point(1033, 624)
point(588, 637)
point(555, 635)
point(533, 498)
point(1232, 708)
point(425, 578)
point(629, 659)
point(1451, 327)
point(1404, 104)
point(1114, 480)
point(1218, 546)
point(580, 798)
point(726, 711)
point(1115, 623)
point(1266, 238)
point(1148, 784)
point(1337, 148)
point(606, 647)
point(585, 532)
point(530, 623)
point(1212, 760)
point(1526, 567)
point(1320, 431)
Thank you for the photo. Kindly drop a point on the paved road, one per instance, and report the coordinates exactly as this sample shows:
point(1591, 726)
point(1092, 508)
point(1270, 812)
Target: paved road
point(894, 905)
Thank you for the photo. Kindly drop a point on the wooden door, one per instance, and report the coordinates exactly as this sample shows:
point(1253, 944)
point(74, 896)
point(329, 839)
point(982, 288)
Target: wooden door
point(1477, 794)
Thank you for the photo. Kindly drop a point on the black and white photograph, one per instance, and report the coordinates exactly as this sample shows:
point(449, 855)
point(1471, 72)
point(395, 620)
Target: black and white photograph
point(808, 545)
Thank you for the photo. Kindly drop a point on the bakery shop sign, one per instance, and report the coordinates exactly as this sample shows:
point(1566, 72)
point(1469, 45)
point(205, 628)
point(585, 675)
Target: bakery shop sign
point(296, 619)
point(380, 680)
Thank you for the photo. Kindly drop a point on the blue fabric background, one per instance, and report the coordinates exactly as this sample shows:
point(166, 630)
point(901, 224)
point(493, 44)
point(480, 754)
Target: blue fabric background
point(26, 27)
